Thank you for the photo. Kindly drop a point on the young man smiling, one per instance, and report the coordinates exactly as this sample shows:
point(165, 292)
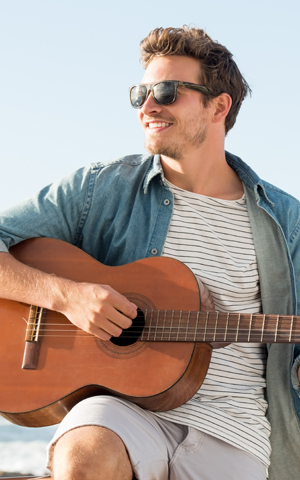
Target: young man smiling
point(187, 134)
point(191, 200)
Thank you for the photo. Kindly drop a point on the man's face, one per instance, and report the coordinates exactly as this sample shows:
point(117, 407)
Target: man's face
point(177, 129)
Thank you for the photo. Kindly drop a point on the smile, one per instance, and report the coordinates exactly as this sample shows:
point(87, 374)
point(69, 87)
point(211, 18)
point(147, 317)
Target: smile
point(158, 125)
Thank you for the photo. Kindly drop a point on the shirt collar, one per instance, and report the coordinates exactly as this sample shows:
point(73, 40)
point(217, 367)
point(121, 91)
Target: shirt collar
point(155, 169)
point(246, 174)
point(248, 177)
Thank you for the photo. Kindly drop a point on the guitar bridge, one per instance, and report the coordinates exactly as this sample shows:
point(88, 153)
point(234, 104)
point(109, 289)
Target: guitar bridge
point(32, 344)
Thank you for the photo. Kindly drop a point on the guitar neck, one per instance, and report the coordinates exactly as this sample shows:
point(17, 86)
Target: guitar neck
point(179, 326)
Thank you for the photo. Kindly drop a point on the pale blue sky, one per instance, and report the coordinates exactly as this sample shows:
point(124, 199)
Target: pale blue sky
point(66, 66)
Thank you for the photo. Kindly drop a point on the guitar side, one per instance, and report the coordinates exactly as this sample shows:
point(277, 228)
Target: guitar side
point(155, 375)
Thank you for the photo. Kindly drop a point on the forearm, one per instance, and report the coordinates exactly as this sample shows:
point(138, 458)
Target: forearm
point(97, 309)
point(22, 283)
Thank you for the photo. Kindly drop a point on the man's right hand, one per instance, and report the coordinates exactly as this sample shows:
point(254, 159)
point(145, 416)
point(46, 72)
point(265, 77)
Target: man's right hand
point(98, 309)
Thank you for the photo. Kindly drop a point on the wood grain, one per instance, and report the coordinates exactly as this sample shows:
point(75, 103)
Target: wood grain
point(155, 375)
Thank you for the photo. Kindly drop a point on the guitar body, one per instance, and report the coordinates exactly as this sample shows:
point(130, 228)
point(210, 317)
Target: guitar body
point(72, 366)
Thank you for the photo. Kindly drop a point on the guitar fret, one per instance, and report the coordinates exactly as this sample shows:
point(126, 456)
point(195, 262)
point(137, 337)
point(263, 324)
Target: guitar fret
point(291, 329)
point(196, 329)
point(156, 325)
point(187, 326)
point(178, 329)
point(164, 325)
point(205, 329)
point(180, 323)
point(238, 326)
point(216, 325)
point(226, 327)
point(276, 331)
point(250, 326)
point(171, 326)
point(263, 326)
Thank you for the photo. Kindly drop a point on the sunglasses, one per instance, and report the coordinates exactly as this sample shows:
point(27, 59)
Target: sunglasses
point(164, 93)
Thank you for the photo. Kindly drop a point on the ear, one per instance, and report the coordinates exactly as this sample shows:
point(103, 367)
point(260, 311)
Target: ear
point(222, 105)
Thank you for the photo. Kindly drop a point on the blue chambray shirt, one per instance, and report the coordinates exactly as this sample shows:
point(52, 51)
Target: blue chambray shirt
point(120, 211)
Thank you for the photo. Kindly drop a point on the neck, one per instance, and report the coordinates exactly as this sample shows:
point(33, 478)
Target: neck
point(204, 171)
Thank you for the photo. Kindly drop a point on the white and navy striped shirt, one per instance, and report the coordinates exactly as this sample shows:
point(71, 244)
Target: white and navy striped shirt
point(213, 238)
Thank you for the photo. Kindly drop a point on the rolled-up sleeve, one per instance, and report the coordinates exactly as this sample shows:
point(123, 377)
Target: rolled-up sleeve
point(55, 211)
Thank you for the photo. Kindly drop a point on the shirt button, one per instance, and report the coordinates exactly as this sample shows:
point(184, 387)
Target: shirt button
point(167, 201)
point(154, 251)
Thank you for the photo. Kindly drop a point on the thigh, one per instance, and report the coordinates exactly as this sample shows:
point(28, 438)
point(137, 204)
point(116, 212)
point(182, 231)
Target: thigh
point(204, 457)
point(149, 440)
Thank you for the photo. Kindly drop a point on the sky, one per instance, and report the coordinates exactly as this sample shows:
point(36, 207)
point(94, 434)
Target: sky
point(66, 66)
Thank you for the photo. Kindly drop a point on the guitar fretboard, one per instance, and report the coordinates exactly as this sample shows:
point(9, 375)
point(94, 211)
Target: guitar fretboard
point(179, 326)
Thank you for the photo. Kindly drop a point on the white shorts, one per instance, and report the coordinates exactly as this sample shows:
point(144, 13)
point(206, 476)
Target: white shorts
point(162, 450)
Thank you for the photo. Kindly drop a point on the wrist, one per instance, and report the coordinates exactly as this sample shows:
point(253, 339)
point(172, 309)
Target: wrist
point(59, 293)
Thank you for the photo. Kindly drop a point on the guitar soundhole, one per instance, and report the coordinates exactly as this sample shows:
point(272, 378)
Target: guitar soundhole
point(131, 334)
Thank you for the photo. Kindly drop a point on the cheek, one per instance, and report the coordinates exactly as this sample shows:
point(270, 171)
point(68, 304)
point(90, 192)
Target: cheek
point(140, 115)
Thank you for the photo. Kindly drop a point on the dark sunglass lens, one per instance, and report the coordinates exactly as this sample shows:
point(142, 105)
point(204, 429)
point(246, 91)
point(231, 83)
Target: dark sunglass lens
point(138, 95)
point(164, 93)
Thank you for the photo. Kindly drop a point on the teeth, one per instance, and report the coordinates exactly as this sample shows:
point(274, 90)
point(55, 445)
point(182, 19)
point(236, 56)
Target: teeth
point(158, 124)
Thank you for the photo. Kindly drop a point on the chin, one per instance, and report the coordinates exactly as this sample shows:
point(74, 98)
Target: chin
point(170, 151)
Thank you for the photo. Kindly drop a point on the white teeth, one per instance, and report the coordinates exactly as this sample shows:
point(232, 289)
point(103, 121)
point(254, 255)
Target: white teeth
point(158, 124)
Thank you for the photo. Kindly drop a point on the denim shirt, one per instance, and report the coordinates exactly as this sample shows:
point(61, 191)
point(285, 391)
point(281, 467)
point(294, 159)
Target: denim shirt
point(119, 212)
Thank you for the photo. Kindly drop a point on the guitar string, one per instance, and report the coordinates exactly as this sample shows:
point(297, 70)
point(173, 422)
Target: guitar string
point(252, 339)
point(219, 336)
point(184, 323)
point(194, 314)
point(190, 328)
point(181, 328)
point(187, 329)
point(192, 323)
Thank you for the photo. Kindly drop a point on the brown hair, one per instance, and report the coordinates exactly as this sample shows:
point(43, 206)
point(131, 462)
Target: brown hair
point(219, 72)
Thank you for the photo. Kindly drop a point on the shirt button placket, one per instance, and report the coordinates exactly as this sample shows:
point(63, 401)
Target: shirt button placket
point(154, 251)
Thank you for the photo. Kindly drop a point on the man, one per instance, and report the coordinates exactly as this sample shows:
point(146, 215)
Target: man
point(190, 200)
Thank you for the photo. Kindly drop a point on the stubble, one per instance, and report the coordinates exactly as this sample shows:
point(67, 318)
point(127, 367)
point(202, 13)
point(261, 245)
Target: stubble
point(176, 148)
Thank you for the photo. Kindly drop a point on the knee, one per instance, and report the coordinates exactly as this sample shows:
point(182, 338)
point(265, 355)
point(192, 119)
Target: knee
point(89, 453)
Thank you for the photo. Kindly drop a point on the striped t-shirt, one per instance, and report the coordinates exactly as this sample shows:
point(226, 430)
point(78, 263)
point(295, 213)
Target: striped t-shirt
point(213, 238)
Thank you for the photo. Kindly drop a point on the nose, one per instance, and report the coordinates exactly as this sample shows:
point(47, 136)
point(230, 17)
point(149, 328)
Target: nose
point(150, 106)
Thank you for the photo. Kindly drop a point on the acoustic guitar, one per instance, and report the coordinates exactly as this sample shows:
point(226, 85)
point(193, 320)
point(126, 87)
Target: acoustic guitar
point(48, 364)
